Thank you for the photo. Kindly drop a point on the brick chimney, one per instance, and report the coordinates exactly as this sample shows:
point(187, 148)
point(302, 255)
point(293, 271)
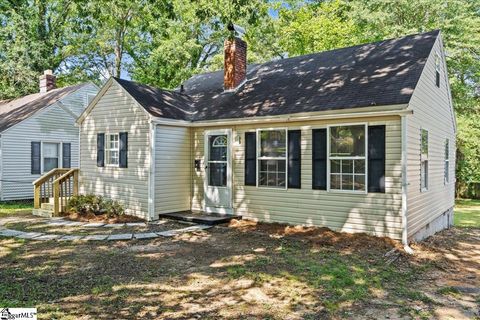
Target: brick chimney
point(47, 81)
point(235, 63)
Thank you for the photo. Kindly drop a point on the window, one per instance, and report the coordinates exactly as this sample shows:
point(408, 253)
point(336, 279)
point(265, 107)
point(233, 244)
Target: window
point(424, 160)
point(347, 158)
point(272, 158)
point(112, 149)
point(447, 162)
point(437, 70)
point(50, 156)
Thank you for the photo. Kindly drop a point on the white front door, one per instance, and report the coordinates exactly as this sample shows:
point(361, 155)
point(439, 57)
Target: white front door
point(218, 176)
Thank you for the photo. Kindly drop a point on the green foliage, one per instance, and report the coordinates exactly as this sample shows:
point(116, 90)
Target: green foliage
point(14, 207)
point(85, 204)
point(467, 214)
point(317, 27)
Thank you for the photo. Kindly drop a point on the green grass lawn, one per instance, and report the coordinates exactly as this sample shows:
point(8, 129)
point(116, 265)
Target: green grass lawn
point(13, 207)
point(467, 213)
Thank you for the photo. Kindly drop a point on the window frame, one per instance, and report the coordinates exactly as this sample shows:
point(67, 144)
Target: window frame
point(108, 149)
point(259, 158)
point(423, 158)
point(42, 154)
point(438, 69)
point(364, 158)
point(446, 162)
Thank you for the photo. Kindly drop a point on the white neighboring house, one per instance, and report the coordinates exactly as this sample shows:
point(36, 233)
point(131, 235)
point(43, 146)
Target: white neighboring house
point(38, 133)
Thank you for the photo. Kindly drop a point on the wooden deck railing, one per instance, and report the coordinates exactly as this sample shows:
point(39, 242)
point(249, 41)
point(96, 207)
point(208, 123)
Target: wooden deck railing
point(58, 185)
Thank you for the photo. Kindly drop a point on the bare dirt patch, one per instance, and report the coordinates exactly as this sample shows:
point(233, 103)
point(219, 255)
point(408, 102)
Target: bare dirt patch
point(245, 271)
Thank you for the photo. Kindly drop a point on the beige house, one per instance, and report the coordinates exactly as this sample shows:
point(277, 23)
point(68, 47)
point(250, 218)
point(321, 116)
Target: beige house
point(359, 139)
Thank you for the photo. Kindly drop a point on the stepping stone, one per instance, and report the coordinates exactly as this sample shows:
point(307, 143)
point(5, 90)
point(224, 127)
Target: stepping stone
point(94, 224)
point(146, 235)
point(48, 237)
point(10, 233)
point(114, 225)
point(70, 238)
point(57, 223)
point(136, 224)
point(74, 223)
point(30, 235)
point(122, 236)
point(171, 233)
point(96, 237)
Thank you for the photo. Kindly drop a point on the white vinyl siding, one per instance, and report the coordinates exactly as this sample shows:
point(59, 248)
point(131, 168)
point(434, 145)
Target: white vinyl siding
point(173, 169)
point(432, 109)
point(375, 213)
point(117, 112)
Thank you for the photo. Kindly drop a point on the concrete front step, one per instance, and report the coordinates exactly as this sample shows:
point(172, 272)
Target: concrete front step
point(42, 213)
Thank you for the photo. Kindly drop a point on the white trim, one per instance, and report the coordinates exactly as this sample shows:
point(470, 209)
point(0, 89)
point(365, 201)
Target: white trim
point(396, 110)
point(404, 159)
point(257, 156)
point(228, 209)
point(151, 175)
point(365, 158)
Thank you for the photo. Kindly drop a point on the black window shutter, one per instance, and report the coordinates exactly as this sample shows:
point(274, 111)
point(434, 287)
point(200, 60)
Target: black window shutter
point(376, 159)
point(123, 156)
point(250, 158)
point(319, 159)
point(36, 157)
point(294, 159)
point(100, 149)
point(67, 155)
point(437, 78)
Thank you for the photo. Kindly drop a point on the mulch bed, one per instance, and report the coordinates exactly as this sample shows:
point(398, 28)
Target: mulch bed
point(90, 217)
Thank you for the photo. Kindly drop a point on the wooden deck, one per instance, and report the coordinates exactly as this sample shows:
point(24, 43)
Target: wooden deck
point(200, 217)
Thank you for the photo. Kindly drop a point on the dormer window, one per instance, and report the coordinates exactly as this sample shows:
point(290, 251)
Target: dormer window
point(437, 70)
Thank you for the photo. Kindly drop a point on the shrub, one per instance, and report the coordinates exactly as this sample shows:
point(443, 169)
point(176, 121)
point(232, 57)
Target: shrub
point(85, 204)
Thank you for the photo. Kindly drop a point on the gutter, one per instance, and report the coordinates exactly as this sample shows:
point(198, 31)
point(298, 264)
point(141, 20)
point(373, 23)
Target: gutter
point(281, 119)
point(404, 159)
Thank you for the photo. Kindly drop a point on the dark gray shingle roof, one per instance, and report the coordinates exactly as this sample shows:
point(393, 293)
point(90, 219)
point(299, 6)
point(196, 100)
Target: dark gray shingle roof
point(16, 110)
point(380, 73)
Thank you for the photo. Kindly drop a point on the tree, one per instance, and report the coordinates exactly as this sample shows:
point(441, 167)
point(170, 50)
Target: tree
point(187, 37)
point(32, 35)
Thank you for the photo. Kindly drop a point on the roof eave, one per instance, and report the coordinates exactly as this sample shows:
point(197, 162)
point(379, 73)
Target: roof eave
point(390, 110)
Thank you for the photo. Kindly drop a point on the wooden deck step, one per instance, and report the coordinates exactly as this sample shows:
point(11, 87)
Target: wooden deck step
point(200, 217)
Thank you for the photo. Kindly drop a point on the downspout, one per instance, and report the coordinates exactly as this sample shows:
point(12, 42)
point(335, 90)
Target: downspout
point(404, 186)
point(151, 174)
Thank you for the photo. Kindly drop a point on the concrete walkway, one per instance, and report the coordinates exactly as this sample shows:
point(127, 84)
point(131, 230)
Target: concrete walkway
point(40, 236)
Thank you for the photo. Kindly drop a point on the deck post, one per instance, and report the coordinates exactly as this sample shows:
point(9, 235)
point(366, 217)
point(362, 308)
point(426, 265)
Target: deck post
point(56, 198)
point(36, 196)
point(75, 183)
